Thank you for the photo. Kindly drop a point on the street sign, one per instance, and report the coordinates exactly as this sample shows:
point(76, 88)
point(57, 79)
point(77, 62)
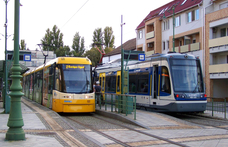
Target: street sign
point(132, 55)
point(141, 57)
point(27, 57)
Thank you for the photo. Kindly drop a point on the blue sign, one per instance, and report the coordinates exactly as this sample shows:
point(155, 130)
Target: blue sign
point(141, 57)
point(27, 57)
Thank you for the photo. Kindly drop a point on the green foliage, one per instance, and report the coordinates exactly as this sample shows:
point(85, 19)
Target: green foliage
point(22, 45)
point(53, 41)
point(97, 37)
point(78, 45)
point(109, 38)
point(63, 51)
point(108, 49)
point(94, 55)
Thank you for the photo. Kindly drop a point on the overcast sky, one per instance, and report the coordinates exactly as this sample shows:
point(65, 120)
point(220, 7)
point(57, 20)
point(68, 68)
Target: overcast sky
point(72, 16)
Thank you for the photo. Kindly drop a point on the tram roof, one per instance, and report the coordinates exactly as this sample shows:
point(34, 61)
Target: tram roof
point(157, 56)
point(62, 60)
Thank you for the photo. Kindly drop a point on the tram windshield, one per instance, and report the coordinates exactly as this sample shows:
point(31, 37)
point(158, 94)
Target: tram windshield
point(76, 78)
point(186, 75)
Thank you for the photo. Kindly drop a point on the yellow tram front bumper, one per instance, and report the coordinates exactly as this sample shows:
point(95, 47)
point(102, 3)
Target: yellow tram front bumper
point(73, 105)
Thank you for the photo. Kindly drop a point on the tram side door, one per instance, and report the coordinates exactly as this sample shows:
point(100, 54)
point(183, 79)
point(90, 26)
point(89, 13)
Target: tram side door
point(118, 82)
point(102, 82)
point(155, 79)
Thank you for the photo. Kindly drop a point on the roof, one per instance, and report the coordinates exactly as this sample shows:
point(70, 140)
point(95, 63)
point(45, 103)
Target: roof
point(129, 45)
point(180, 5)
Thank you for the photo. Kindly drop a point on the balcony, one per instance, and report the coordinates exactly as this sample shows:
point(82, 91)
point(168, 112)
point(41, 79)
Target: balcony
point(149, 53)
point(188, 48)
point(150, 35)
point(218, 44)
point(218, 68)
point(218, 71)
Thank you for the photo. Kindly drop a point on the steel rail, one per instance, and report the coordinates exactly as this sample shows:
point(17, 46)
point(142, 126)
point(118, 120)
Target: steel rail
point(99, 132)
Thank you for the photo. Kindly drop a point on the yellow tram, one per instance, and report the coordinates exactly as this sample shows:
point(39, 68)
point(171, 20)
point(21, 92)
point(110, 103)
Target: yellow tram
point(63, 84)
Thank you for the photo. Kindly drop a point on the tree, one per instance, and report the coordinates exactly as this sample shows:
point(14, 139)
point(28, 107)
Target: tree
point(94, 55)
point(23, 45)
point(108, 49)
point(97, 37)
point(63, 51)
point(53, 40)
point(109, 37)
point(78, 45)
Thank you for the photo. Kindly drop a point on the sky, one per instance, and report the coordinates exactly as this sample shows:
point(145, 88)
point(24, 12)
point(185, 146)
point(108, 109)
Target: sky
point(71, 16)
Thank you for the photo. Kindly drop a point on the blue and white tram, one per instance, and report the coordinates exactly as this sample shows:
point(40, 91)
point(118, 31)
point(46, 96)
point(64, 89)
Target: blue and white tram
point(170, 82)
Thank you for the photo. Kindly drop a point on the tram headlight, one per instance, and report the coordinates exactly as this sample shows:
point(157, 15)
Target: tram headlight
point(88, 97)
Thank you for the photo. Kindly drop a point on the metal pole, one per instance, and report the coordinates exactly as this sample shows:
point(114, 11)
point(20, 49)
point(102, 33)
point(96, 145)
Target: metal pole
point(122, 62)
point(122, 55)
point(15, 121)
point(173, 30)
point(7, 99)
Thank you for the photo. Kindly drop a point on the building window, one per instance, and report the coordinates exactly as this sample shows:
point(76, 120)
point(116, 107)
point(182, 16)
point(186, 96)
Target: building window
point(163, 45)
point(140, 35)
point(224, 5)
point(177, 21)
point(166, 25)
point(168, 44)
point(21, 57)
point(193, 15)
point(223, 32)
point(180, 43)
point(10, 57)
point(197, 14)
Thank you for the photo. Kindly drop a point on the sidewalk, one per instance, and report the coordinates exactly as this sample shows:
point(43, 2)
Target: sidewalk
point(31, 122)
point(43, 128)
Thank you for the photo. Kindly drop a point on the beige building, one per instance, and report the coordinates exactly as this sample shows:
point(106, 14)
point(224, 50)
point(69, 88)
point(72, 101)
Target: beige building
point(216, 48)
point(199, 27)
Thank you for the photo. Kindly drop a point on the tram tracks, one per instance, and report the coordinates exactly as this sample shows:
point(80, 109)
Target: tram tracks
point(203, 120)
point(94, 128)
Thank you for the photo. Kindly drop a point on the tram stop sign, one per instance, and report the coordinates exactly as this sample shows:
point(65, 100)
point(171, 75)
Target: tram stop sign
point(141, 57)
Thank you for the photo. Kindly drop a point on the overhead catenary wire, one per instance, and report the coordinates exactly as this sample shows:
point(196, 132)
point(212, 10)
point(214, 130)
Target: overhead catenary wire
point(75, 13)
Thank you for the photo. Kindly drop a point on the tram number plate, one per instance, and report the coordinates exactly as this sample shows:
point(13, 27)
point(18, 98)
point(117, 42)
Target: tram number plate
point(88, 101)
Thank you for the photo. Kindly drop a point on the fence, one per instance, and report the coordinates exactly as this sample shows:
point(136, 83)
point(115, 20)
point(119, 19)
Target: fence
point(120, 103)
point(217, 105)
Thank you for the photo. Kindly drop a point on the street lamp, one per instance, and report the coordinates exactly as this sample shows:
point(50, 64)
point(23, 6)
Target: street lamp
point(122, 54)
point(15, 121)
point(6, 98)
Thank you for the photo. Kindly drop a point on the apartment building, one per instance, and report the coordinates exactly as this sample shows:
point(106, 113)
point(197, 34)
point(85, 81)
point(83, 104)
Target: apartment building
point(198, 27)
point(216, 32)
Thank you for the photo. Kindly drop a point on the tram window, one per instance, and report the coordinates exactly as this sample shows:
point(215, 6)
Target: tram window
point(100, 81)
point(110, 84)
point(50, 78)
point(142, 86)
point(118, 83)
point(165, 81)
point(132, 83)
point(57, 79)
